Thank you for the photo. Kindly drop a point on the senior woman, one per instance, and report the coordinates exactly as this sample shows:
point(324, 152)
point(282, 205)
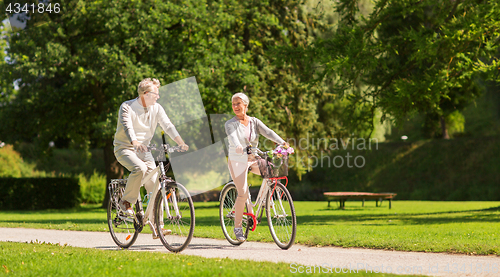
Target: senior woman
point(243, 130)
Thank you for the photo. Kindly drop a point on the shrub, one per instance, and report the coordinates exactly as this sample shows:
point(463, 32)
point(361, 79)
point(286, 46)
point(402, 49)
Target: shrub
point(92, 188)
point(12, 163)
point(38, 193)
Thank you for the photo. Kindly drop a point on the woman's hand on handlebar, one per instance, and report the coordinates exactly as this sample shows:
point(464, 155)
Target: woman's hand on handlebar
point(239, 149)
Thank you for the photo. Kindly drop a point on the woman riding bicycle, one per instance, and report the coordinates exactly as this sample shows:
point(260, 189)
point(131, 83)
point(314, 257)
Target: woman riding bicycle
point(242, 131)
point(137, 121)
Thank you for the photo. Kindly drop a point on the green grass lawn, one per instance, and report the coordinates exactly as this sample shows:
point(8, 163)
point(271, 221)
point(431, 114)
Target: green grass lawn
point(41, 259)
point(453, 227)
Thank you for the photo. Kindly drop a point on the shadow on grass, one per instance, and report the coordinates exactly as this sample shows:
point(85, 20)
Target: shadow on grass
point(203, 205)
point(468, 216)
point(81, 209)
point(57, 221)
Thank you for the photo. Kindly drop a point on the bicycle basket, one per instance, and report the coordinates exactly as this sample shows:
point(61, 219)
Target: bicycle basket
point(273, 167)
point(116, 189)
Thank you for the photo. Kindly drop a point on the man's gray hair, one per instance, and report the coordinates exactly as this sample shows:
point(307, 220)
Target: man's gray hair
point(147, 84)
point(243, 98)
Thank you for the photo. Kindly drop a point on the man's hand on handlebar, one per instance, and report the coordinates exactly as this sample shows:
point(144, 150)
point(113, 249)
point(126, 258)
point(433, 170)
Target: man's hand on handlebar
point(139, 147)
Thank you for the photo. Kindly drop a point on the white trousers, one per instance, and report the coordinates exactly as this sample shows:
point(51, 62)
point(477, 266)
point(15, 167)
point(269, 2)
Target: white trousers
point(239, 171)
point(139, 166)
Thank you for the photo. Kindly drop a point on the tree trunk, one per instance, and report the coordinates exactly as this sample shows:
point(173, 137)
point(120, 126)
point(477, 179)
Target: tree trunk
point(444, 129)
point(114, 170)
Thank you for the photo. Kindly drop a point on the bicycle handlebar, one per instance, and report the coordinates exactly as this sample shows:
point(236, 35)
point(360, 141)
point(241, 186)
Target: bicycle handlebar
point(166, 147)
point(257, 151)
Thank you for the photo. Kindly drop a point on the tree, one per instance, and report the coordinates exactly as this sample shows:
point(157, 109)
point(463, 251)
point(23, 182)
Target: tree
point(408, 56)
point(74, 68)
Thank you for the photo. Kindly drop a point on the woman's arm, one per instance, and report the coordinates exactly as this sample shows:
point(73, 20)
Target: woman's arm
point(268, 133)
point(232, 136)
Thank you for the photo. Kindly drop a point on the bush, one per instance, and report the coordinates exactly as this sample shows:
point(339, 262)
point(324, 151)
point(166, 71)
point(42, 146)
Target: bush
point(12, 163)
point(38, 193)
point(92, 188)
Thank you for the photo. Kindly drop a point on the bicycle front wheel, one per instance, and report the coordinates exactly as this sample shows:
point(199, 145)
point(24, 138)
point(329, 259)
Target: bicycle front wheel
point(175, 212)
point(228, 197)
point(280, 214)
point(120, 226)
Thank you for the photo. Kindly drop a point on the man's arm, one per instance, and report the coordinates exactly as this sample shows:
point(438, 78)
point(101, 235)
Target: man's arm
point(169, 128)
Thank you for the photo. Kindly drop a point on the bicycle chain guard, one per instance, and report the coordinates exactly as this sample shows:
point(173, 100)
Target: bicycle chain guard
point(254, 220)
point(139, 226)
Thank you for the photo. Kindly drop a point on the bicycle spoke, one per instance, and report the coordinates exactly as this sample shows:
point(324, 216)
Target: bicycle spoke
point(227, 213)
point(120, 226)
point(179, 219)
point(281, 216)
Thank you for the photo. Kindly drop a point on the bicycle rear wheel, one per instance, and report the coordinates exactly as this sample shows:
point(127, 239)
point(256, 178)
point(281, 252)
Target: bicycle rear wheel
point(228, 197)
point(280, 214)
point(121, 227)
point(179, 219)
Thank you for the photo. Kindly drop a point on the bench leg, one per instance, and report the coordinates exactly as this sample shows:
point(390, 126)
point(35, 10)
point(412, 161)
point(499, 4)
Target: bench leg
point(376, 203)
point(363, 202)
point(328, 203)
point(390, 203)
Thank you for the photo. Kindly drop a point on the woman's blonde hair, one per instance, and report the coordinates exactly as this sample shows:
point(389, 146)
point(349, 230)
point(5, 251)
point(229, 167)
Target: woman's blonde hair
point(147, 84)
point(243, 98)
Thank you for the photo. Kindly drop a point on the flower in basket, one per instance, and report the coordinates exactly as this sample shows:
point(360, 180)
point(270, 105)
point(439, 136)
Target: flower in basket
point(283, 151)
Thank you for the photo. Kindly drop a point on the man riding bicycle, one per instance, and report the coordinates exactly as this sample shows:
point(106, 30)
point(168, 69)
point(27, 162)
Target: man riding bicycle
point(137, 121)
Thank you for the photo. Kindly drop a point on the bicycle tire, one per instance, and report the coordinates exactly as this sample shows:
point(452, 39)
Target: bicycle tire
point(281, 217)
point(120, 228)
point(182, 227)
point(226, 214)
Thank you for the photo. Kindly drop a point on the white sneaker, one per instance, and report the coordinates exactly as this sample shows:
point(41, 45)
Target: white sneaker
point(126, 208)
point(165, 232)
point(238, 232)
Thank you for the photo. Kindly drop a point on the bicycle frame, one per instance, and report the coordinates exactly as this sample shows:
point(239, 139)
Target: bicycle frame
point(260, 201)
point(160, 186)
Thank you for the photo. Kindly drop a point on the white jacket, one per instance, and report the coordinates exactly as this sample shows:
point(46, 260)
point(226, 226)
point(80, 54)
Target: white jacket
point(136, 122)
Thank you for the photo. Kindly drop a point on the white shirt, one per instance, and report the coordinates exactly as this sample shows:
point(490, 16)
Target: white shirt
point(136, 122)
point(237, 135)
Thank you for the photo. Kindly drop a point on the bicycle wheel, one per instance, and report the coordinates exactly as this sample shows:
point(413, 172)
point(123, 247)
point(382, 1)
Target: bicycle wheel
point(280, 214)
point(120, 226)
point(227, 214)
point(179, 219)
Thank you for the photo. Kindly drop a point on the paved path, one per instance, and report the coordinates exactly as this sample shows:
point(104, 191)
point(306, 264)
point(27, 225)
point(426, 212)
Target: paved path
point(334, 258)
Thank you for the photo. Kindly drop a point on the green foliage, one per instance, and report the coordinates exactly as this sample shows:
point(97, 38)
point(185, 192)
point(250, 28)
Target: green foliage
point(75, 68)
point(12, 163)
point(91, 188)
point(38, 193)
point(406, 57)
point(479, 119)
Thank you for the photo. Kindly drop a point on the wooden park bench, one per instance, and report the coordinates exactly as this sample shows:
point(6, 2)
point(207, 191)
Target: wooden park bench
point(343, 196)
